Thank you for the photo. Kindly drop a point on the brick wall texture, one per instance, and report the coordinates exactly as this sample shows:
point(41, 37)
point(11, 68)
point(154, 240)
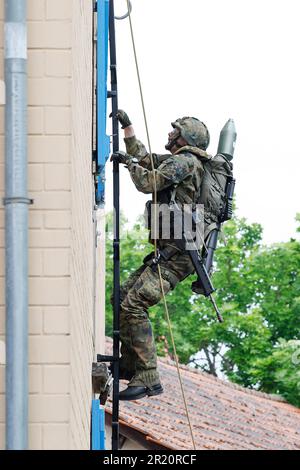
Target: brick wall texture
point(61, 224)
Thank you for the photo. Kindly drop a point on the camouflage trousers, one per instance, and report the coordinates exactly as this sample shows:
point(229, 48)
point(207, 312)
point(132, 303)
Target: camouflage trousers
point(141, 291)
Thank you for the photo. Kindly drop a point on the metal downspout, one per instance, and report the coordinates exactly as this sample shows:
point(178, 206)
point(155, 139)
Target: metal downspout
point(16, 225)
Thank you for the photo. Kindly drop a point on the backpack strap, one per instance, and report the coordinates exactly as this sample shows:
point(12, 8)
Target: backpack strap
point(221, 173)
point(161, 158)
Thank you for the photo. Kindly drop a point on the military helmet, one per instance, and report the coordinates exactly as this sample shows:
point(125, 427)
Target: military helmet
point(193, 131)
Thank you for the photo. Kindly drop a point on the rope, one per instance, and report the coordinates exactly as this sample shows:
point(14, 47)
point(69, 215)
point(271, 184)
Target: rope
point(176, 359)
point(154, 198)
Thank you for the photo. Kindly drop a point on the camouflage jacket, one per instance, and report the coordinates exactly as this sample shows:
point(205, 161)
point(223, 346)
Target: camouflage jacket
point(184, 170)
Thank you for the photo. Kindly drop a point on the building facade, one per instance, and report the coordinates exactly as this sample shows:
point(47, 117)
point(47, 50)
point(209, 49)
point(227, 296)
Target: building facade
point(66, 301)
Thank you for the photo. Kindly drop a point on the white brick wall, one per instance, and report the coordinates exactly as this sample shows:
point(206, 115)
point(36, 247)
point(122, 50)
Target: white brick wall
point(61, 228)
point(50, 34)
point(83, 240)
point(58, 64)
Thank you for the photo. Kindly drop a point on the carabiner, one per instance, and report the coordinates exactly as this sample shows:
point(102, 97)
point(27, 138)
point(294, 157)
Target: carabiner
point(156, 259)
point(126, 14)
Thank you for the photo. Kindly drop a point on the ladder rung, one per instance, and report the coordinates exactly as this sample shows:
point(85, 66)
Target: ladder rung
point(104, 358)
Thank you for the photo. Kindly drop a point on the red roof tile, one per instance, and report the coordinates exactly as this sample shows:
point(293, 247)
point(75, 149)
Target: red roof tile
point(223, 415)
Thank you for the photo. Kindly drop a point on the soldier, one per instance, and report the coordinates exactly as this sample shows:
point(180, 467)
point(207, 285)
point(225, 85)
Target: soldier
point(183, 169)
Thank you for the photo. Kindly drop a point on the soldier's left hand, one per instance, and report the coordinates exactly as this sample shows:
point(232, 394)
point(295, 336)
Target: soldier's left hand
point(123, 118)
point(122, 157)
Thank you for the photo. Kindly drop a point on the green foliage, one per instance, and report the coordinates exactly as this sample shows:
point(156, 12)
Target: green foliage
point(280, 371)
point(258, 292)
point(298, 221)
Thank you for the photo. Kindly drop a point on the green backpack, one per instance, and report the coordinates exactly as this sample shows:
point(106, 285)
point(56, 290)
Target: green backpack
point(216, 191)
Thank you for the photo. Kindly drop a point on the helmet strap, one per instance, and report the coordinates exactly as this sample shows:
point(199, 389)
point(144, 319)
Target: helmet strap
point(173, 143)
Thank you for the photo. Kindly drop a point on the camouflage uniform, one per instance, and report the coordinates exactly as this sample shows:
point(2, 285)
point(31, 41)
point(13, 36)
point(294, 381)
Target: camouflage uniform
point(142, 289)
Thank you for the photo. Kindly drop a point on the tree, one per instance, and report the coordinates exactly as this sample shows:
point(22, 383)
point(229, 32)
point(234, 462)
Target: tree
point(280, 371)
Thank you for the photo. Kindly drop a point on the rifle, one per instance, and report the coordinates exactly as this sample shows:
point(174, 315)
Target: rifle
point(203, 284)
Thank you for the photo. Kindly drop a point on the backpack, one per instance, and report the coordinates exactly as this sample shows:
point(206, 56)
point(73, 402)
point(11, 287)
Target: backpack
point(215, 193)
point(216, 190)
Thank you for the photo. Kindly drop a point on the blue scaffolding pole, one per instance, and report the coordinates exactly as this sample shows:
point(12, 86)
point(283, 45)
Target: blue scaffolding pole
point(101, 156)
point(102, 139)
point(98, 426)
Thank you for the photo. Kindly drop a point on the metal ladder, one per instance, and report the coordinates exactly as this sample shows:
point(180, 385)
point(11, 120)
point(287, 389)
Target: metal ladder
point(101, 376)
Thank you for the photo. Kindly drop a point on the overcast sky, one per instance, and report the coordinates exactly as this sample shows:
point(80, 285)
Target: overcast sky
point(215, 60)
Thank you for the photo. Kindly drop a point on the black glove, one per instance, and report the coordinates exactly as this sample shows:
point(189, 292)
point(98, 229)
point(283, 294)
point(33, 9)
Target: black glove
point(122, 157)
point(122, 118)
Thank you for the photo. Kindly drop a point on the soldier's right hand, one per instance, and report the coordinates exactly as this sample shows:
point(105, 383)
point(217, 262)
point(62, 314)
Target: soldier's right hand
point(121, 157)
point(123, 118)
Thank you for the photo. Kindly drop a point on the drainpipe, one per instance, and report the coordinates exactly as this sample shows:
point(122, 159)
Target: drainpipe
point(16, 225)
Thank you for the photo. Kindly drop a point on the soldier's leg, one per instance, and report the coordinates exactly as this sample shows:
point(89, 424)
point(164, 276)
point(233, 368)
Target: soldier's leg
point(145, 293)
point(128, 356)
point(130, 281)
point(178, 267)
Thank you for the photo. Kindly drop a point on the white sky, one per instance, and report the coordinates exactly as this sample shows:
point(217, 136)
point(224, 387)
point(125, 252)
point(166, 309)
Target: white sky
point(215, 60)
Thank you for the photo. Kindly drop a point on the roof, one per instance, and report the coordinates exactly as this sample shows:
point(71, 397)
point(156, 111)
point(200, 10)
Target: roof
point(223, 415)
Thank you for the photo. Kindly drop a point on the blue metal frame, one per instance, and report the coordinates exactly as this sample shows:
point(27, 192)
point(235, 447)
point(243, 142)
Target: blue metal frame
point(103, 141)
point(102, 154)
point(98, 426)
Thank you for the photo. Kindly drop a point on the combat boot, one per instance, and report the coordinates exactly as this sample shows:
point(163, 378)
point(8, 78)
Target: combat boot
point(144, 383)
point(135, 393)
point(124, 374)
point(126, 369)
